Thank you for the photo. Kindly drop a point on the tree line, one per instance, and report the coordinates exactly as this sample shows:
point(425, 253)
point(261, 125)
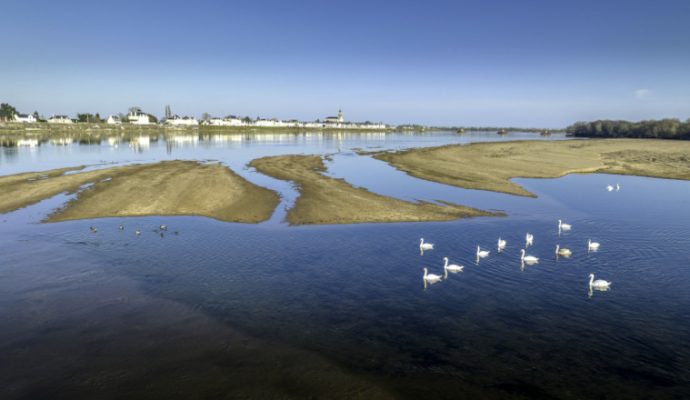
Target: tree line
point(652, 129)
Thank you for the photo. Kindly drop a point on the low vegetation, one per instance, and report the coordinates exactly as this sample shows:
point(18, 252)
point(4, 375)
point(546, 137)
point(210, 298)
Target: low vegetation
point(491, 166)
point(326, 200)
point(165, 188)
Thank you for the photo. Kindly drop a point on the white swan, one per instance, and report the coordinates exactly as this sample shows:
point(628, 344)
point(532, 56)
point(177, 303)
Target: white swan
point(618, 187)
point(528, 259)
point(563, 226)
point(592, 246)
point(482, 253)
point(599, 284)
point(529, 239)
point(563, 252)
point(501, 244)
point(431, 278)
point(453, 268)
point(137, 232)
point(609, 188)
point(425, 246)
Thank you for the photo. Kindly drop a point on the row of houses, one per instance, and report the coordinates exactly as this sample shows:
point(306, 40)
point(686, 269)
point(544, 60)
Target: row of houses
point(137, 117)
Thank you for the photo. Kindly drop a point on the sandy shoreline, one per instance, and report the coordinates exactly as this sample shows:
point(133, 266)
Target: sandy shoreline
point(164, 188)
point(491, 166)
point(325, 200)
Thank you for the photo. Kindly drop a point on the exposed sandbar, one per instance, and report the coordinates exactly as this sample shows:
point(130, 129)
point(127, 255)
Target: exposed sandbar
point(165, 188)
point(326, 200)
point(491, 166)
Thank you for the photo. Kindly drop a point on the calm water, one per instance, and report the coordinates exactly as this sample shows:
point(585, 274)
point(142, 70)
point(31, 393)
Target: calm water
point(222, 310)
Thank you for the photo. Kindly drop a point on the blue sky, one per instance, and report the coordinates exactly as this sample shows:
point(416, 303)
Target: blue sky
point(525, 63)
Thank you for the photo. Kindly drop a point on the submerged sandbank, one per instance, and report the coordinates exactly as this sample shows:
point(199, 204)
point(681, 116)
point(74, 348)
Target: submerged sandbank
point(326, 200)
point(165, 188)
point(491, 166)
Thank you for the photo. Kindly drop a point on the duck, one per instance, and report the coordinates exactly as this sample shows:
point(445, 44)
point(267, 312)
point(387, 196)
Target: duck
point(121, 227)
point(431, 278)
point(529, 239)
point(501, 244)
point(528, 259)
point(482, 253)
point(93, 229)
point(453, 268)
point(563, 252)
point(593, 246)
point(563, 226)
point(163, 228)
point(599, 284)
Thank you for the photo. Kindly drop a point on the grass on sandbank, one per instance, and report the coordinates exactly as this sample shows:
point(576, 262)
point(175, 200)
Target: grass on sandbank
point(165, 188)
point(326, 200)
point(491, 166)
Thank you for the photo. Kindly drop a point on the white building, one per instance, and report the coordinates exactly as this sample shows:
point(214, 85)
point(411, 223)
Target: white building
point(59, 119)
point(227, 121)
point(114, 120)
point(181, 121)
point(335, 120)
point(24, 118)
point(138, 117)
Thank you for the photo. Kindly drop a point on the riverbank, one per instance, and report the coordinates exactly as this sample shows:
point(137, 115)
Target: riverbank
point(165, 188)
point(326, 200)
point(491, 166)
point(20, 131)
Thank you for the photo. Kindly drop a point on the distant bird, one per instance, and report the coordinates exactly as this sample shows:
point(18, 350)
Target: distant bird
point(618, 187)
point(121, 227)
point(137, 232)
point(425, 246)
point(163, 228)
point(431, 278)
point(609, 188)
point(93, 229)
point(501, 244)
point(528, 259)
point(482, 253)
point(563, 252)
point(599, 284)
point(529, 239)
point(453, 268)
point(594, 246)
point(562, 226)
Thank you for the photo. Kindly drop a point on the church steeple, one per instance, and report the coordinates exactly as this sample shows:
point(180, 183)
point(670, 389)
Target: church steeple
point(340, 116)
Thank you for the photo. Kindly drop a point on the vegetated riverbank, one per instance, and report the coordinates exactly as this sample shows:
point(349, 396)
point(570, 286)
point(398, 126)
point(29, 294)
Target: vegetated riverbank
point(165, 188)
point(45, 130)
point(326, 200)
point(491, 166)
point(669, 128)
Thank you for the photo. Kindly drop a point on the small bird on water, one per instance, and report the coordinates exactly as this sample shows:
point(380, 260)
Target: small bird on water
point(93, 229)
point(163, 228)
point(121, 227)
point(137, 232)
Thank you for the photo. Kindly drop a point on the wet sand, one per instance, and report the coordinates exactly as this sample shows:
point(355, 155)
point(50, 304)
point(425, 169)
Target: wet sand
point(165, 188)
point(491, 166)
point(325, 200)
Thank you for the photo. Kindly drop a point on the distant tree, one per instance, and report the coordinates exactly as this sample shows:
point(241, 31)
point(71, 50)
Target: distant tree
point(134, 110)
point(90, 118)
point(7, 112)
point(152, 118)
point(205, 116)
point(246, 119)
point(662, 129)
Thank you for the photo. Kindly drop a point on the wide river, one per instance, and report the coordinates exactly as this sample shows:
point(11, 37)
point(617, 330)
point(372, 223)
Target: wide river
point(222, 310)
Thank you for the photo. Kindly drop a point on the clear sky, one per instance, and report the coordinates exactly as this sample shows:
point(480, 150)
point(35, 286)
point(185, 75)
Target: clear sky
point(525, 63)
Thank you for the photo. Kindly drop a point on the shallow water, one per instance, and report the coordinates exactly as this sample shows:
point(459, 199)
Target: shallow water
point(221, 309)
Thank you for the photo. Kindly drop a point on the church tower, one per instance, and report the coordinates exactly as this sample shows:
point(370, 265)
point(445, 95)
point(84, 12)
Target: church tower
point(341, 118)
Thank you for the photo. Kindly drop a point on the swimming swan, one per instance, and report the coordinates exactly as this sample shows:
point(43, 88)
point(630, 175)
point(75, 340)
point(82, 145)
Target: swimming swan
point(501, 244)
point(482, 253)
point(594, 246)
point(618, 187)
point(453, 268)
point(431, 278)
point(563, 226)
point(599, 284)
point(529, 239)
point(528, 259)
point(425, 246)
point(563, 252)
point(609, 188)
